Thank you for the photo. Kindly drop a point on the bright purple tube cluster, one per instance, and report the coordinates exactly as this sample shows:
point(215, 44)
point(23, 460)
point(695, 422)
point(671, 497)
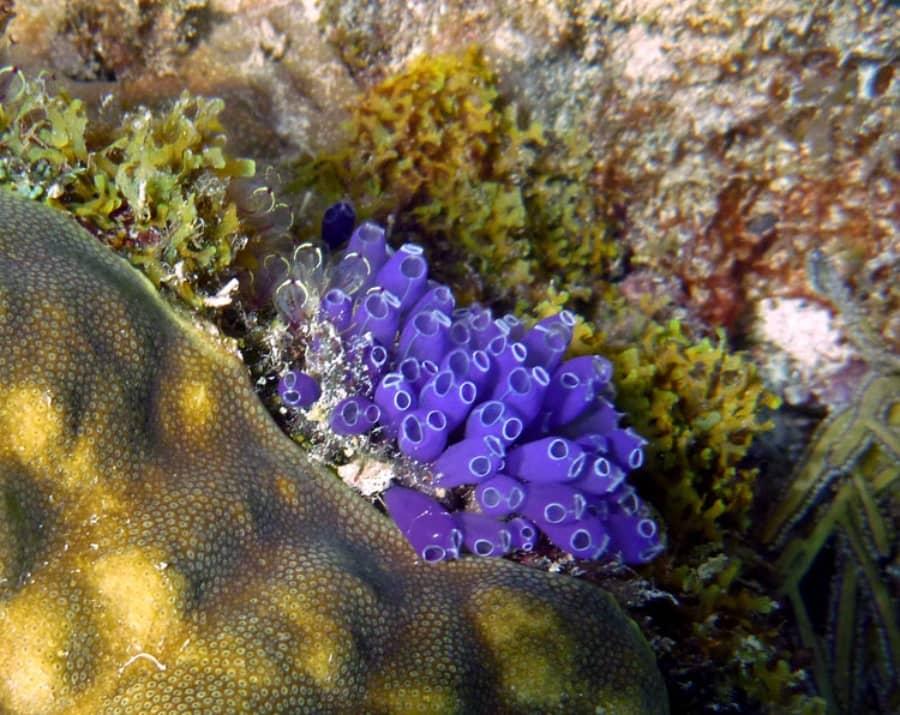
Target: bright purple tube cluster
point(484, 401)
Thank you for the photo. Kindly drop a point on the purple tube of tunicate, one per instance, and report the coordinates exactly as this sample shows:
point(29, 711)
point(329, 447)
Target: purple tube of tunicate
point(454, 399)
point(601, 417)
point(546, 461)
point(337, 308)
point(354, 415)
point(567, 398)
point(368, 240)
point(405, 274)
point(626, 447)
point(600, 477)
point(395, 396)
point(483, 535)
point(634, 538)
point(437, 297)
point(298, 390)
point(524, 533)
point(523, 390)
point(553, 504)
point(429, 528)
point(497, 419)
point(468, 462)
point(546, 345)
point(424, 336)
point(586, 538)
point(423, 434)
point(377, 313)
point(500, 495)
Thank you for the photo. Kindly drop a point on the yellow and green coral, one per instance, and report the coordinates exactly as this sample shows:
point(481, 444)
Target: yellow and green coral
point(438, 148)
point(151, 183)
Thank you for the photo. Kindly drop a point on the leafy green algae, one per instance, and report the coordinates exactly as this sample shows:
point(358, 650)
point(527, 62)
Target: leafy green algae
point(151, 184)
point(438, 149)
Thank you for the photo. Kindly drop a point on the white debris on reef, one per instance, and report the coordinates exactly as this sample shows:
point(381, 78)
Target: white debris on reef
point(810, 349)
point(367, 475)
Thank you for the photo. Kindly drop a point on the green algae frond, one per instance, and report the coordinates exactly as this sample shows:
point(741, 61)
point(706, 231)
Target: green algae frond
point(151, 184)
point(438, 149)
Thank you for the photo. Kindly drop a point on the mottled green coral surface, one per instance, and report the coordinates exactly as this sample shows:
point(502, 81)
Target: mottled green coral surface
point(163, 547)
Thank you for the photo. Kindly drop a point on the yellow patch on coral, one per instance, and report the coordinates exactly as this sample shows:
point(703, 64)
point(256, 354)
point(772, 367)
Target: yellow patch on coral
point(31, 422)
point(140, 597)
point(33, 635)
point(535, 663)
point(413, 698)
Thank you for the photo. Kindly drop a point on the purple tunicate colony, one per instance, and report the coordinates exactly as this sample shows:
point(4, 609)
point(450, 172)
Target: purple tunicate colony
point(485, 402)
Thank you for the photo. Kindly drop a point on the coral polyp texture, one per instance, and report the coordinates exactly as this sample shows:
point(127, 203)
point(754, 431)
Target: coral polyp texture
point(165, 548)
point(482, 402)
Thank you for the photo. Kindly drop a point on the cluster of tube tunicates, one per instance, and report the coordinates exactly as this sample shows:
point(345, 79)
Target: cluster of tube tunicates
point(484, 401)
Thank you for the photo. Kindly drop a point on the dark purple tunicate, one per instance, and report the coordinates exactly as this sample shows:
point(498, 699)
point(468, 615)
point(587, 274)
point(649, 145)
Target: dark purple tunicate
point(423, 434)
point(405, 274)
point(586, 538)
point(484, 536)
point(505, 357)
point(375, 358)
point(411, 370)
point(427, 370)
point(515, 326)
point(298, 390)
point(430, 529)
point(600, 477)
point(437, 297)
point(546, 461)
point(501, 495)
point(454, 399)
point(368, 240)
point(600, 418)
point(567, 398)
point(425, 336)
point(468, 462)
point(337, 308)
point(524, 533)
point(337, 224)
point(379, 314)
point(593, 443)
point(496, 419)
point(635, 538)
point(460, 334)
point(354, 415)
point(591, 369)
point(553, 504)
point(523, 390)
point(626, 447)
point(624, 499)
point(546, 345)
point(395, 396)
